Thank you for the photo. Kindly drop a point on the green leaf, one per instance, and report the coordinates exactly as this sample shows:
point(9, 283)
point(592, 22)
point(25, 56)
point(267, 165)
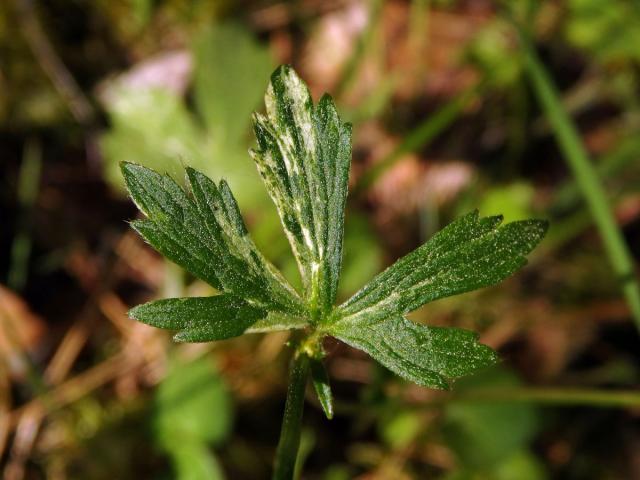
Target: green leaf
point(357, 268)
point(468, 254)
point(158, 128)
point(195, 461)
point(221, 215)
point(206, 236)
point(513, 201)
point(485, 434)
point(192, 404)
point(321, 386)
point(231, 69)
point(303, 156)
point(152, 127)
point(608, 32)
point(183, 422)
point(173, 226)
point(424, 355)
point(399, 428)
point(200, 319)
point(277, 321)
point(522, 465)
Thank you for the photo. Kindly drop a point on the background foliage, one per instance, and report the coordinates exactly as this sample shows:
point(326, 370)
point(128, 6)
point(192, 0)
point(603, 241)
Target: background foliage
point(446, 120)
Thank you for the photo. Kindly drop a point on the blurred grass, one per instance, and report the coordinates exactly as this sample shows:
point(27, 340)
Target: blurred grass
point(28, 183)
point(586, 178)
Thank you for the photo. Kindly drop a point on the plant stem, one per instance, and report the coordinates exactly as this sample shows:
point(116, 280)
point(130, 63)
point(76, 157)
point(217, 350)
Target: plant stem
point(287, 452)
point(553, 396)
point(586, 177)
point(608, 165)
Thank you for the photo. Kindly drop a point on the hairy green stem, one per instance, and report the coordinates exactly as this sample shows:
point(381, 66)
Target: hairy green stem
point(287, 452)
point(586, 178)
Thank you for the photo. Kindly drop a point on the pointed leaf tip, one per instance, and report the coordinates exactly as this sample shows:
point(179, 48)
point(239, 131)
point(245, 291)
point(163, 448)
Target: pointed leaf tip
point(322, 387)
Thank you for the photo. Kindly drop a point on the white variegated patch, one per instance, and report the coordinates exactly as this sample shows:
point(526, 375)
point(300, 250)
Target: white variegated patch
point(294, 158)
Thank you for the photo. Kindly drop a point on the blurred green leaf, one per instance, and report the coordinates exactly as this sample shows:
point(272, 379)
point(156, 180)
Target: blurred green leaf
point(401, 428)
point(155, 127)
point(521, 465)
point(357, 268)
point(608, 30)
point(307, 443)
point(195, 461)
point(231, 70)
point(191, 405)
point(142, 10)
point(492, 52)
point(152, 128)
point(192, 412)
point(513, 201)
point(483, 435)
point(338, 472)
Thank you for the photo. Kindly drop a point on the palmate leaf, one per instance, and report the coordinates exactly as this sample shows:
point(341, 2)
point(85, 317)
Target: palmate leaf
point(303, 155)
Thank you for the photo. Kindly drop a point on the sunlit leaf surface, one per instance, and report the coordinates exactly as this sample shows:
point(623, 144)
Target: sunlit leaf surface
point(303, 155)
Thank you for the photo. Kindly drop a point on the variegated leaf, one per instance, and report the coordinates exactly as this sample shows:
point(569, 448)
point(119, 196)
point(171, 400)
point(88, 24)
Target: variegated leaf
point(468, 254)
point(303, 156)
point(206, 236)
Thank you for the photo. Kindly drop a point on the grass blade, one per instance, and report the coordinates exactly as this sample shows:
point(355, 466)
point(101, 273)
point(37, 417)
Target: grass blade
point(586, 177)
